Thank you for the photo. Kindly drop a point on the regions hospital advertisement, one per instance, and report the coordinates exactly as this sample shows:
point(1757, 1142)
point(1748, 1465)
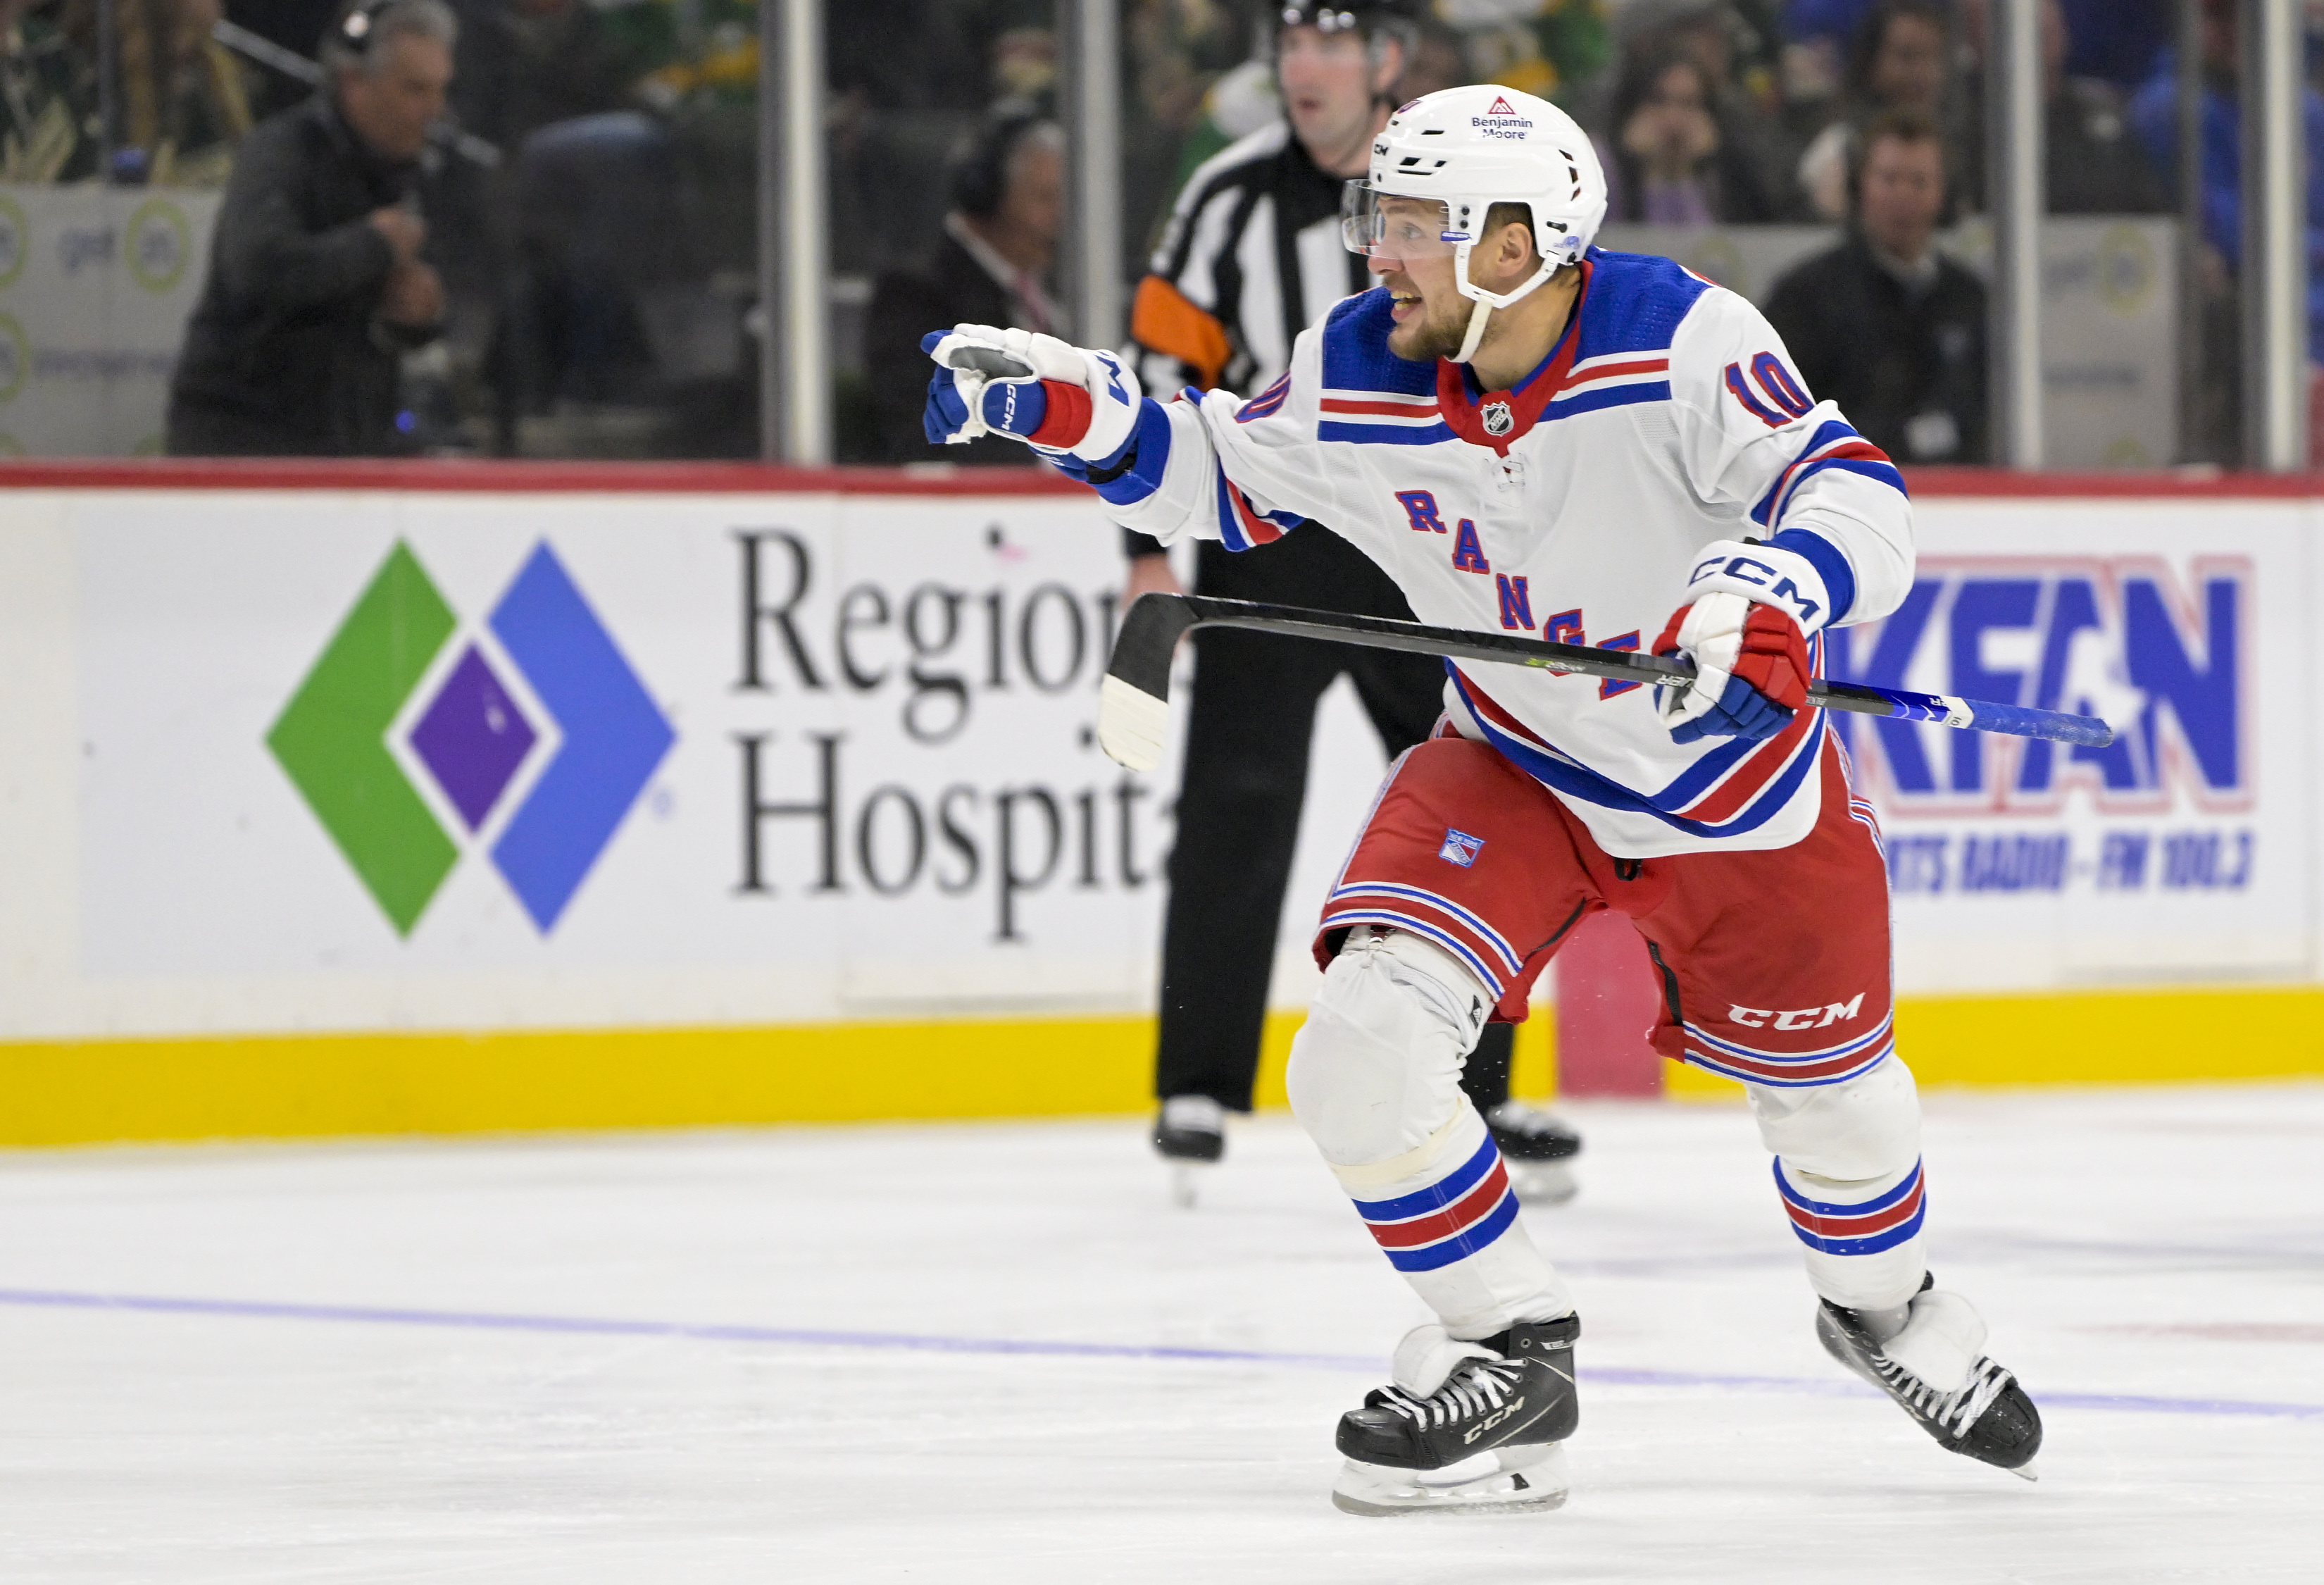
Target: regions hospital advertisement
point(503, 807)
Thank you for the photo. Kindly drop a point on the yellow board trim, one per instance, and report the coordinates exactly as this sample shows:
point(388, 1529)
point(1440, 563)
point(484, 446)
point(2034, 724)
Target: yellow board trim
point(65, 1092)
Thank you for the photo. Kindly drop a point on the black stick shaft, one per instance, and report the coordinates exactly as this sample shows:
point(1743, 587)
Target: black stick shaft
point(1151, 631)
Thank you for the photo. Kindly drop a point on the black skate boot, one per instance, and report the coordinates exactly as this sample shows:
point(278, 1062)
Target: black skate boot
point(1538, 1150)
point(1190, 1134)
point(1983, 1413)
point(1485, 1440)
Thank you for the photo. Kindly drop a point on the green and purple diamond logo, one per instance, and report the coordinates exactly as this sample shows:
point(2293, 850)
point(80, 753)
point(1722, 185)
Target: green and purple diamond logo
point(473, 738)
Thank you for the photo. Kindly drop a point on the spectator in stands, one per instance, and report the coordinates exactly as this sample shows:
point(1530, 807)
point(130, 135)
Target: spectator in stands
point(1555, 49)
point(1754, 157)
point(317, 285)
point(524, 64)
point(2154, 119)
point(2091, 163)
point(1440, 60)
point(1899, 58)
point(1670, 163)
point(991, 268)
point(48, 93)
point(2154, 114)
point(181, 105)
point(2114, 40)
point(1883, 324)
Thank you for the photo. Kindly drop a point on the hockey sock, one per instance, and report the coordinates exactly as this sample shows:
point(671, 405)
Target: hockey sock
point(1848, 1168)
point(1446, 1218)
point(1863, 1237)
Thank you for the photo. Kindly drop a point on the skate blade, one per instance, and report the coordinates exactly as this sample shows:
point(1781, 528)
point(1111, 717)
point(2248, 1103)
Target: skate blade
point(1185, 1182)
point(2026, 1471)
point(1542, 1183)
point(1536, 1484)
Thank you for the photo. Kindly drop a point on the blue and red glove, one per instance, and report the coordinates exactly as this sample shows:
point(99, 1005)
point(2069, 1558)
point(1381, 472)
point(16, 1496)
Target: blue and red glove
point(1751, 670)
point(1747, 631)
point(1060, 398)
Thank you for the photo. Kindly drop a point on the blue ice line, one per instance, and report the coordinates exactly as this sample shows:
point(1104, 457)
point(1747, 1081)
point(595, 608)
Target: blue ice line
point(811, 1337)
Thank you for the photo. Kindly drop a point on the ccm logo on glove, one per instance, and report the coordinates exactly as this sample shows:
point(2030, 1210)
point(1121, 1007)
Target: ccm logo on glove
point(1768, 583)
point(1030, 387)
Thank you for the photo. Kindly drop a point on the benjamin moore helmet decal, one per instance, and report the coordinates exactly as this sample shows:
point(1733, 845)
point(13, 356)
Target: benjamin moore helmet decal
point(472, 737)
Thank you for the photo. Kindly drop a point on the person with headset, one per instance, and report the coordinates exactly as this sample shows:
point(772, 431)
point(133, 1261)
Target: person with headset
point(1253, 255)
point(317, 283)
point(991, 267)
point(1884, 323)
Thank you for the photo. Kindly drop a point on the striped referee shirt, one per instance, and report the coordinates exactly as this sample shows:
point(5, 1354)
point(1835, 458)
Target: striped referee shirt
point(1251, 257)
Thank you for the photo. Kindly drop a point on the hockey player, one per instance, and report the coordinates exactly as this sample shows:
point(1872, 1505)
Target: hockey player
point(1531, 435)
point(1252, 254)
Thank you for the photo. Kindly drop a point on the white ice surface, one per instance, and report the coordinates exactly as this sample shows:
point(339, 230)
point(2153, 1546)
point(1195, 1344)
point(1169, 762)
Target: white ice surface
point(446, 1423)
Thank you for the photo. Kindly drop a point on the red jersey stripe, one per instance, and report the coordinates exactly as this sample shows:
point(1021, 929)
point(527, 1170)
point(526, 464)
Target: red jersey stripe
point(1748, 779)
point(1651, 366)
point(1858, 1226)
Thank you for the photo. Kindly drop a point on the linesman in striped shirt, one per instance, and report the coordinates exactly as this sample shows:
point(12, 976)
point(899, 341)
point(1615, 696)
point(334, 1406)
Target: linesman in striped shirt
point(1251, 257)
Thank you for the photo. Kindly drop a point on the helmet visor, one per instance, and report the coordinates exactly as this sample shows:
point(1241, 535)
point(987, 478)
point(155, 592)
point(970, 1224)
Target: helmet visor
point(1387, 226)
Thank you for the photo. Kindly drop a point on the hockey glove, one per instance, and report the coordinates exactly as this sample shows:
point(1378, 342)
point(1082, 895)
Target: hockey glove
point(1056, 397)
point(1745, 629)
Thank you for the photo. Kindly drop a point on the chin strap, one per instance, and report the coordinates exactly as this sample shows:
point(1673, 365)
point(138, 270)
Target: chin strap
point(1478, 314)
point(1483, 310)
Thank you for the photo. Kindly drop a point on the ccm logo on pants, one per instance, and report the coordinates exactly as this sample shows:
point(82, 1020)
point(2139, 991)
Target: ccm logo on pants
point(1797, 1017)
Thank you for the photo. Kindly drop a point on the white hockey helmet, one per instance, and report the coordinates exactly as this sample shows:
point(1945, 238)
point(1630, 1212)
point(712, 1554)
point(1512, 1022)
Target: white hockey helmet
point(1472, 148)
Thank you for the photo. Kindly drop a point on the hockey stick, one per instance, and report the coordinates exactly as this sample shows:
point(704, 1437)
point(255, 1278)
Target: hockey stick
point(1133, 706)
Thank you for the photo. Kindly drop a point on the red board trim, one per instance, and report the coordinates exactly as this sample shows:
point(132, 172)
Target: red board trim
point(503, 477)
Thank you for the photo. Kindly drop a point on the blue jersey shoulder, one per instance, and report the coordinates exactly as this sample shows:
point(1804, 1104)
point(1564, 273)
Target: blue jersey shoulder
point(1355, 350)
point(1636, 302)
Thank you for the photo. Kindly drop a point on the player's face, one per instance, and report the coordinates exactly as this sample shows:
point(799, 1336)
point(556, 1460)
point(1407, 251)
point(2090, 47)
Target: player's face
point(1415, 264)
point(1327, 85)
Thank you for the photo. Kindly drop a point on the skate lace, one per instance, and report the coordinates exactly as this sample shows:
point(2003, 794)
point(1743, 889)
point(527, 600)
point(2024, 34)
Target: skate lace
point(1478, 1388)
point(1955, 1411)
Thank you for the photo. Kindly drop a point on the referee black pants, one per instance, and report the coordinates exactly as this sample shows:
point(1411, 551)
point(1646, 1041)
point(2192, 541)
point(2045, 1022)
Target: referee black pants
point(1246, 776)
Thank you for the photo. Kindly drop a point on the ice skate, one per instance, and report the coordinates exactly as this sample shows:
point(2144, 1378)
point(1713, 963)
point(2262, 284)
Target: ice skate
point(1539, 1150)
point(1190, 1135)
point(1468, 1428)
point(1934, 1367)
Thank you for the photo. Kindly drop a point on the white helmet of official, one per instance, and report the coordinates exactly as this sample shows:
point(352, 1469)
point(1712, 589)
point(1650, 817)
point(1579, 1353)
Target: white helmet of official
point(1472, 148)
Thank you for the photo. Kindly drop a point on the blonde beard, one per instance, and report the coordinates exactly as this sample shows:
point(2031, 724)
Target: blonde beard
point(1434, 336)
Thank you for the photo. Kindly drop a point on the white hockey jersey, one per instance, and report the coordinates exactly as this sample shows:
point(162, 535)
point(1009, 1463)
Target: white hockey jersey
point(1571, 508)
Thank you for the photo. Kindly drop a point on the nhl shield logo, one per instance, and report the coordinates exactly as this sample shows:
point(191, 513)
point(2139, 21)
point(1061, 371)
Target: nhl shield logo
point(1498, 419)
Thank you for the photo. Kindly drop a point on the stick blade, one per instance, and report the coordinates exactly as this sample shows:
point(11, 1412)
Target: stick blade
point(1133, 701)
point(1131, 724)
